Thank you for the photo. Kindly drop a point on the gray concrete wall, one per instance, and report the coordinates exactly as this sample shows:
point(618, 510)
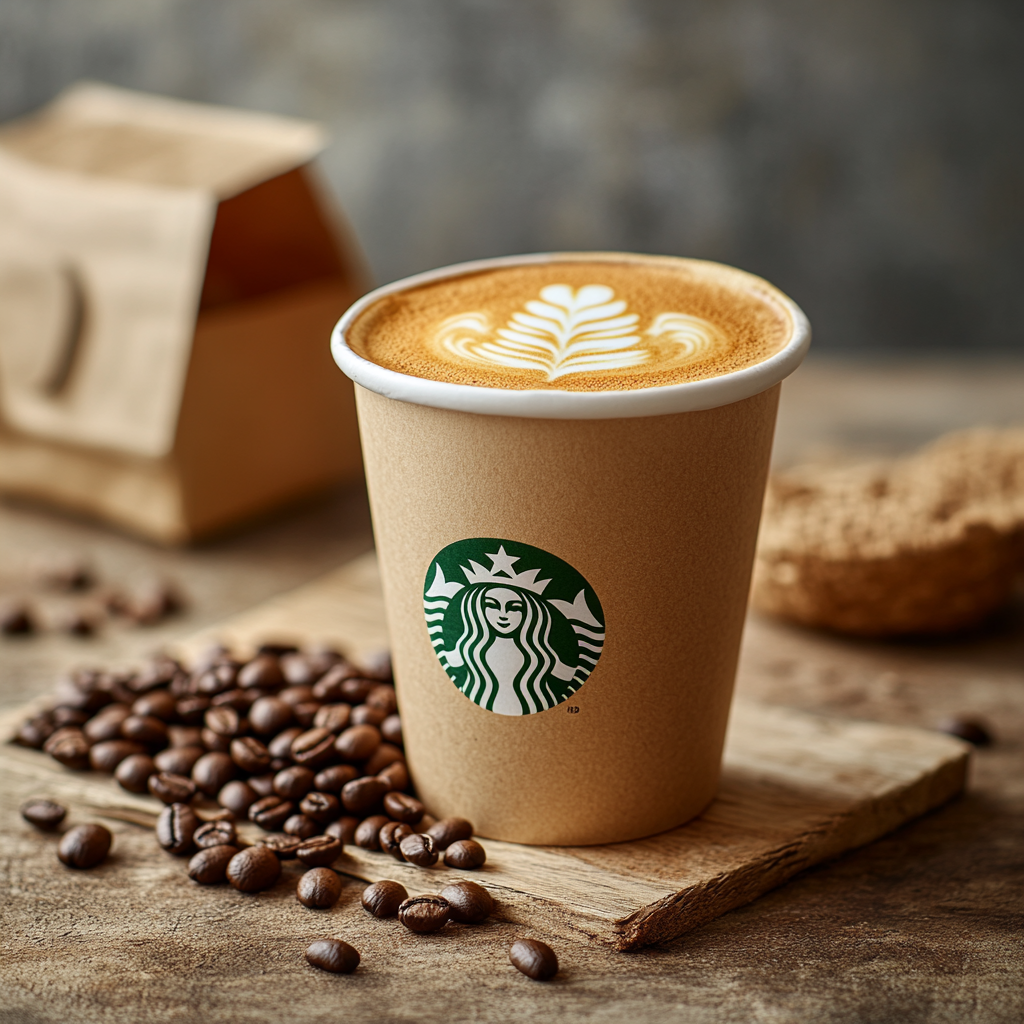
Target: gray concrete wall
point(865, 155)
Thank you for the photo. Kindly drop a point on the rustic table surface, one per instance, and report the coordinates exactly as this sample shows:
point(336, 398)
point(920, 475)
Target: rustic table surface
point(923, 925)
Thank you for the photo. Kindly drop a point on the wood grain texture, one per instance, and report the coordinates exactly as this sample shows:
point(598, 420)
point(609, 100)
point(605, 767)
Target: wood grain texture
point(797, 789)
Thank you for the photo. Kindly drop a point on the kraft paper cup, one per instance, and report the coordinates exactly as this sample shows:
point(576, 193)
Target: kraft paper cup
point(565, 576)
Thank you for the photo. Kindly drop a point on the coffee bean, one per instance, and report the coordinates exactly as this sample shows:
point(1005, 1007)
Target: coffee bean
point(383, 696)
point(448, 831)
point(319, 851)
point(293, 783)
point(34, 732)
point(383, 757)
point(301, 826)
point(263, 672)
point(69, 747)
point(391, 836)
point(403, 808)
point(44, 814)
point(215, 833)
point(321, 807)
point(262, 785)
point(271, 812)
point(344, 830)
point(84, 846)
point(223, 721)
point(362, 795)
point(209, 866)
point(331, 780)
point(212, 772)
point(391, 730)
point(237, 797)
point(253, 869)
point(250, 755)
point(187, 736)
point(419, 849)
point(171, 789)
point(190, 710)
point(269, 715)
point(318, 889)
point(329, 687)
point(295, 695)
point(333, 717)
point(969, 729)
point(470, 903)
point(465, 854)
point(144, 729)
point(175, 828)
point(358, 742)
point(534, 958)
point(106, 756)
point(134, 771)
point(238, 701)
point(424, 914)
point(363, 714)
point(367, 835)
point(285, 847)
point(156, 704)
point(70, 716)
point(333, 955)
point(177, 760)
point(106, 723)
point(395, 776)
point(382, 899)
point(16, 619)
point(314, 749)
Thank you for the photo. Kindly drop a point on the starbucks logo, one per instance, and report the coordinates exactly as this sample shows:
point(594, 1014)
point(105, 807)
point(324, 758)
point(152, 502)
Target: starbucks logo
point(515, 628)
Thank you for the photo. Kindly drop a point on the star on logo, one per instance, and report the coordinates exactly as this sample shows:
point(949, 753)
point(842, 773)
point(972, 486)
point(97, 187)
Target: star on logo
point(500, 562)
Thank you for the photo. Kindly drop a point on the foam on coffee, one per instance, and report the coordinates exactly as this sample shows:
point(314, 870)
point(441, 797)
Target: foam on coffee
point(589, 324)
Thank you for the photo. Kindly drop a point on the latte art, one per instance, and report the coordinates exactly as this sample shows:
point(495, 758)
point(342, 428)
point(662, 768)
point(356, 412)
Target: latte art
point(579, 330)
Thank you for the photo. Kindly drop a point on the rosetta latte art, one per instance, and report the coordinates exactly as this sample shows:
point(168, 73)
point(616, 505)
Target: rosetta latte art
point(578, 331)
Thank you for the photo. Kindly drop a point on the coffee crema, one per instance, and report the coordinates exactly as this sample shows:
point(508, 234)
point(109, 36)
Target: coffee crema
point(587, 324)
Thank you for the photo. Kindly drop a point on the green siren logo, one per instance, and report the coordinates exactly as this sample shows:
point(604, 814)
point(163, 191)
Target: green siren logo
point(515, 628)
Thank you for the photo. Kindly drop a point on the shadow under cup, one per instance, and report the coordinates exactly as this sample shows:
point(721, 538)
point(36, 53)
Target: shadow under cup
point(565, 576)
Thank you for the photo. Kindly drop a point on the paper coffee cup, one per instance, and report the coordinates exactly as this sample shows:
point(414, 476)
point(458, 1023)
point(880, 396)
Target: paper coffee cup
point(593, 548)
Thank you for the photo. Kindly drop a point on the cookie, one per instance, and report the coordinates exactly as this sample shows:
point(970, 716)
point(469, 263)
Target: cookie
point(930, 543)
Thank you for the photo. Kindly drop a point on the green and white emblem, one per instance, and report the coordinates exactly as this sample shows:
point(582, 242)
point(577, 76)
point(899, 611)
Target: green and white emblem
point(515, 628)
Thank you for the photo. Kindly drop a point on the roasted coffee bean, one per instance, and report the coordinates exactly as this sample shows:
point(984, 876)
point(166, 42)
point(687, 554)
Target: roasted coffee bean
point(134, 771)
point(295, 695)
point(81, 689)
point(358, 742)
point(269, 715)
point(212, 772)
point(69, 716)
point(321, 807)
point(214, 742)
point(271, 812)
point(395, 776)
point(84, 846)
point(329, 687)
point(106, 756)
point(391, 730)
point(237, 797)
point(333, 717)
point(470, 903)
point(34, 732)
point(314, 749)
point(403, 808)
point(362, 795)
point(969, 729)
point(383, 757)
point(156, 704)
point(367, 834)
point(344, 830)
point(377, 666)
point(297, 670)
point(239, 701)
point(284, 846)
point(250, 755)
point(171, 789)
point(391, 836)
point(424, 914)
point(331, 780)
point(215, 833)
point(145, 729)
point(106, 724)
point(363, 714)
point(318, 889)
point(450, 830)
point(293, 783)
point(301, 826)
point(305, 714)
point(177, 760)
point(281, 744)
point(333, 955)
point(534, 958)
point(319, 851)
point(382, 899)
point(209, 866)
point(419, 849)
point(69, 747)
point(44, 814)
point(191, 710)
point(222, 720)
point(175, 828)
point(263, 673)
point(16, 619)
point(184, 736)
point(355, 689)
point(209, 683)
point(253, 869)
point(263, 785)
point(383, 696)
point(465, 854)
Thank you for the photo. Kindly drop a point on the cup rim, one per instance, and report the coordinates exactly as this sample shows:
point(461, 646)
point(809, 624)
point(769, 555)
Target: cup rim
point(550, 403)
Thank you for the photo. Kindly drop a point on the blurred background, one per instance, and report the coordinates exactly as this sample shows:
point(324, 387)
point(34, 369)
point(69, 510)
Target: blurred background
point(866, 156)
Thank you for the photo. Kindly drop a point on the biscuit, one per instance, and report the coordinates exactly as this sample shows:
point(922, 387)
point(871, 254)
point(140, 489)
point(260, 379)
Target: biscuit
point(930, 543)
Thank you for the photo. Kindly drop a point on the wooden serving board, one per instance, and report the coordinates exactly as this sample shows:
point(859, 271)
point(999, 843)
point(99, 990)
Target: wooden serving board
point(797, 789)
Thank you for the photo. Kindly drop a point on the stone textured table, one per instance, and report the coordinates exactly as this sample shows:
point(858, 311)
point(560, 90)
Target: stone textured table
point(923, 925)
